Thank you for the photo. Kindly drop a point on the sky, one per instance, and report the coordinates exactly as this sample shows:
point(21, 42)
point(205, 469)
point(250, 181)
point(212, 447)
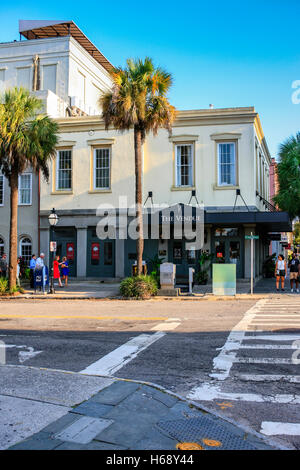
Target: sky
point(227, 54)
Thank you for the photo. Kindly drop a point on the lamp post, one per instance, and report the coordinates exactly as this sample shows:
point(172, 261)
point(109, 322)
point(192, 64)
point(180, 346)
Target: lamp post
point(53, 219)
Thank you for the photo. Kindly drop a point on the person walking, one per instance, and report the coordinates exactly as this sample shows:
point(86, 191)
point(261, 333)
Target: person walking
point(294, 272)
point(56, 271)
point(280, 272)
point(3, 266)
point(65, 270)
point(32, 265)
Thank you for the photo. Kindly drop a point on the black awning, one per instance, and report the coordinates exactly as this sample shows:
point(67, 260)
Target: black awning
point(268, 221)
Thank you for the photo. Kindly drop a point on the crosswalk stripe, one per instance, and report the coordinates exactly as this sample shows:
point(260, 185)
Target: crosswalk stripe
point(269, 346)
point(268, 378)
point(118, 358)
point(262, 360)
point(274, 337)
point(208, 392)
point(272, 428)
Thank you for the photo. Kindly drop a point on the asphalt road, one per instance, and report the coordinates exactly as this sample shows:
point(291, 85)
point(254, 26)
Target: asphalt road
point(198, 349)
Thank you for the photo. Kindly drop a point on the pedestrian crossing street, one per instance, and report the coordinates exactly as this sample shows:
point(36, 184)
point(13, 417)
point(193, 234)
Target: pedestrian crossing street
point(260, 362)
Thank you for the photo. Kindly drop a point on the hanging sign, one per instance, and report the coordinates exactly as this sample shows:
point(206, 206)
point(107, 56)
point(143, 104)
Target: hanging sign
point(70, 251)
point(52, 246)
point(95, 251)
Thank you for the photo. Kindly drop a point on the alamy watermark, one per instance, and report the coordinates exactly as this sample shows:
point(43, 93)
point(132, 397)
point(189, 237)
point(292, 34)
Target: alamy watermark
point(296, 93)
point(158, 221)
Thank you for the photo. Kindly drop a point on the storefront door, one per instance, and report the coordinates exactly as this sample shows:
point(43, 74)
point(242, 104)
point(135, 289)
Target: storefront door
point(100, 256)
point(228, 247)
point(182, 258)
point(66, 246)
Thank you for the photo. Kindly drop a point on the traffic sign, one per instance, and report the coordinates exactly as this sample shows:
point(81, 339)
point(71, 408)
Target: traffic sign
point(52, 246)
point(252, 237)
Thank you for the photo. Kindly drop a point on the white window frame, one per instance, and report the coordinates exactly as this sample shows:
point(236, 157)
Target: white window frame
point(30, 190)
point(104, 188)
point(57, 171)
point(234, 143)
point(191, 183)
point(3, 187)
point(24, 237)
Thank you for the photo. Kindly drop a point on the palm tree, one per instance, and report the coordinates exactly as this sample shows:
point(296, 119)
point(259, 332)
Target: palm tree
point(26, 140)
point(288, 171)
point(138, 100)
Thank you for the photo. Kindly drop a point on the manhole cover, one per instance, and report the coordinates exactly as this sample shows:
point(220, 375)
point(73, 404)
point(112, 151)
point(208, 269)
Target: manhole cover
point(205, 432)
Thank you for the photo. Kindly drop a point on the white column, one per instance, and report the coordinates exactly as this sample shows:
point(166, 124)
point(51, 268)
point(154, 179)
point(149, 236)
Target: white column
point(81, 251)
point(44, 243)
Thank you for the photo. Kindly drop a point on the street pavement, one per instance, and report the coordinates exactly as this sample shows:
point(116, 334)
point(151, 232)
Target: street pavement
point(237, 359)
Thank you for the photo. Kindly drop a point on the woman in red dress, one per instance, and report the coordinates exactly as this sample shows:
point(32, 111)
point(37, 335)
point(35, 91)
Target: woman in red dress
point(56, 271)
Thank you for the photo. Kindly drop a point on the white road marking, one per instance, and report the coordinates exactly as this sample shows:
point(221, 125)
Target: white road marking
point(117, 359)
point(167, 326)
point(269, 346)
point(245, 331)
point(262, 360)
point(270, 428)
point(268, 378)
point(23, 355)
point(224, 361)
point(274, 337)
point(208, 392)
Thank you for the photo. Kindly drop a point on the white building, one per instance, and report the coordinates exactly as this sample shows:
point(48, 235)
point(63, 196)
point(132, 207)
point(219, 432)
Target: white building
point(59, 65)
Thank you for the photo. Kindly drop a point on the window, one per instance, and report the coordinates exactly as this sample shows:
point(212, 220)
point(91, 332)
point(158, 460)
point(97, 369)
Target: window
point(26, 250)
point(23, 77)
point(49, 78)
point(1, 190)
point(25, 189)
point(64, 170)
point(102, 168)
point(184, 165)
point(1, 246)
point(227, 164)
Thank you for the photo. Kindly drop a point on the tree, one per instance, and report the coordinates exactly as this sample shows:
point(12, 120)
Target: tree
point(288, 171)
point(26, 140)
point(296, 234)
point(138, 100)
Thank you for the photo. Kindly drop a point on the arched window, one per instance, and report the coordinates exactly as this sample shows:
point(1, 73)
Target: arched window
point(1, 246)
point(26, 250)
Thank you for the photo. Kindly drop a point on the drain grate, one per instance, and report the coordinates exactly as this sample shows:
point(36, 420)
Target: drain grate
point(202, 430)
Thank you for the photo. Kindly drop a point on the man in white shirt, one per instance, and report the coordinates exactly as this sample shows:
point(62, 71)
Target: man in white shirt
point(40, 261)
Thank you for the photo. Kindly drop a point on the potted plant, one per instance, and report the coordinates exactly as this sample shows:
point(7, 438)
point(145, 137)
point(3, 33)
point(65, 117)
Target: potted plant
point(203, 260)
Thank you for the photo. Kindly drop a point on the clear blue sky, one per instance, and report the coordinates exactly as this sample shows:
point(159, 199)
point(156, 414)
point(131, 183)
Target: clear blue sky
point(229, 53)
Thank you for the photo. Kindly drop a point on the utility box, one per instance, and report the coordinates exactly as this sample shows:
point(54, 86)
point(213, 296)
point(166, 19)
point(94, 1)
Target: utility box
point(224, 279)
point(167, 275)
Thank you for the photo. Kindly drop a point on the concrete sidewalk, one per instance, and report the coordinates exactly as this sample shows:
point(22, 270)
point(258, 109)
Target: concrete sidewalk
point(110, 289)
point(131, 415)
point(77, 289)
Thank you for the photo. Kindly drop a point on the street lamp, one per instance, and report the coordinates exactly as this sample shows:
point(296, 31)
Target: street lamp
point(53, 219)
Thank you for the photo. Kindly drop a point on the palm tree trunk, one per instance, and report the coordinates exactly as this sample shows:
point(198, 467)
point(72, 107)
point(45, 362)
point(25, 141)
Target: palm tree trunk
point(138, 197)
point(13, 239)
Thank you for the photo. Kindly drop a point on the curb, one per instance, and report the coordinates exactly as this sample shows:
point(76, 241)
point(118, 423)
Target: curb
point(191, 403)
point(192, 298)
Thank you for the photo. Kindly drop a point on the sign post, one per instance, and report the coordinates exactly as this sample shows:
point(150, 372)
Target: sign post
point(252, 238)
